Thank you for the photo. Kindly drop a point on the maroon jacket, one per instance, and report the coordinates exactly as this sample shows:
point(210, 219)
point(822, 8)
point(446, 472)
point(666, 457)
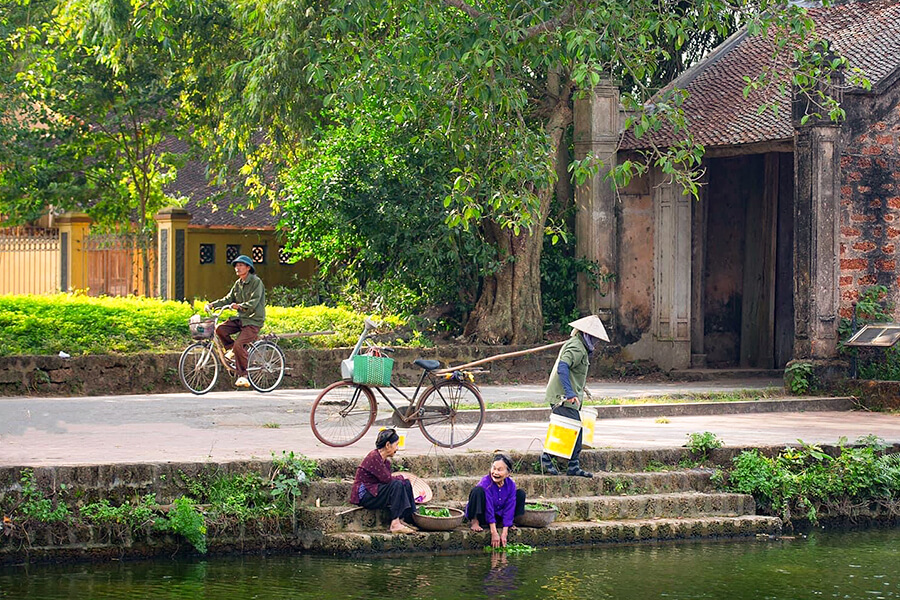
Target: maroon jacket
point(371, 472)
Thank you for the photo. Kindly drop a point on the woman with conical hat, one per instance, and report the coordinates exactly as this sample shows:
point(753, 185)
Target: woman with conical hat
point(565, 390)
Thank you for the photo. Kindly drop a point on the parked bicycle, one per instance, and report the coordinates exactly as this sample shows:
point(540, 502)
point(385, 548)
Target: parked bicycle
point(198, 366)
point(449, 411)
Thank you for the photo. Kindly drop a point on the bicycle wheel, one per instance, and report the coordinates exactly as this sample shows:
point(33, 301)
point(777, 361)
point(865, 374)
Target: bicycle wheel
point(342, 413)
point(265, 366)
point(198, 367)
point(451, 413)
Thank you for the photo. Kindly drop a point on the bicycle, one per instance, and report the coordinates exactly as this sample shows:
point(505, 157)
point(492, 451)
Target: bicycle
point(198, 366)
point(450, 410)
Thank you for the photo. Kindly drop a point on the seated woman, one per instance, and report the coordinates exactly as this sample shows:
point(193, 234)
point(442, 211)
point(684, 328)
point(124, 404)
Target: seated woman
point(374, 486)
point(495, 501)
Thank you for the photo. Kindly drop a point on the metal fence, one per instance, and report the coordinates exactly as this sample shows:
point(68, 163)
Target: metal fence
point(29, 260)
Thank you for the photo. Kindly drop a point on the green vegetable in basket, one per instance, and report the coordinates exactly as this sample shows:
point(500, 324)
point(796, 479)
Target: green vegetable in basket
point(538, 506)
point(434, 512)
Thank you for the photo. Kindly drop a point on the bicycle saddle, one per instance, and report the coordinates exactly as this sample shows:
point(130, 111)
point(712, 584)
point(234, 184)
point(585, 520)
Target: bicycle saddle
point(428, 365)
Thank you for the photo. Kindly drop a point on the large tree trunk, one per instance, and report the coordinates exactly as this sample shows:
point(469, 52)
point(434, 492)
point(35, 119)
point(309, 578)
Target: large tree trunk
point(508, 310)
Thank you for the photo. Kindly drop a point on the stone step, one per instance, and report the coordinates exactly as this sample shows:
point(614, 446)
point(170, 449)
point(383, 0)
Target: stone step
point(478, 463)
point(585, 508)
point(336, 492)
point(571, 533)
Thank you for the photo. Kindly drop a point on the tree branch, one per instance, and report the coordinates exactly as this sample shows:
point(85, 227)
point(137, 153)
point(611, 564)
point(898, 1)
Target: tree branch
point(551, 24)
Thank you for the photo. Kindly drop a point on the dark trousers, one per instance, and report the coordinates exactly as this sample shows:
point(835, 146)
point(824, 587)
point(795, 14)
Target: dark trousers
point(477, 502)
point(247, 334)
point(397, 496)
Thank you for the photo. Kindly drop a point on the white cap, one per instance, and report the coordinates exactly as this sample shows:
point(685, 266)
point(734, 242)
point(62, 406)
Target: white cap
point(591, 325)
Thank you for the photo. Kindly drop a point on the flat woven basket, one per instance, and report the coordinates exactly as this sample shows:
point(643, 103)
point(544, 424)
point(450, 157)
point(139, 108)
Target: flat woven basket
point(372, 370)
point(203, 330)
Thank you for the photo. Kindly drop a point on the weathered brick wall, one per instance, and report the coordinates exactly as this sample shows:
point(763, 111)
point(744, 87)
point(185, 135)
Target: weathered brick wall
point(870, 207)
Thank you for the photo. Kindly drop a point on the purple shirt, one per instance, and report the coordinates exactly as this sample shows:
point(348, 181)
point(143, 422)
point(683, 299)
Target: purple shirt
point(500, 502)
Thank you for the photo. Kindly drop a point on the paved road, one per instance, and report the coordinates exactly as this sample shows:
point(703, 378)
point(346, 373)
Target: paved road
point(223, 426)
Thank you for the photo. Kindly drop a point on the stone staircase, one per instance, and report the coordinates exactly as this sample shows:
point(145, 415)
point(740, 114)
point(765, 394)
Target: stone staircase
point(624, 502)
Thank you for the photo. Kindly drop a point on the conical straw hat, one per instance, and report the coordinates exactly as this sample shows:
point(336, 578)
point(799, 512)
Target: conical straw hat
point(421, 490)
point(591, 325)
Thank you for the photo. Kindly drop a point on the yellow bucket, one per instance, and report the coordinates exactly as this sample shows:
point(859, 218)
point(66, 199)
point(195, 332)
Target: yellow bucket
point(588, 423)
point(402, 434)
point(562, 433)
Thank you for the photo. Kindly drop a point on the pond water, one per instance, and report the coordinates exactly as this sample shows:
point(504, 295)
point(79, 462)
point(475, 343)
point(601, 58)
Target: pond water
point(850, 565)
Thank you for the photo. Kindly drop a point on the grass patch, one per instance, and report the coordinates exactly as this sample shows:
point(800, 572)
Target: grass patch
point(736, 396)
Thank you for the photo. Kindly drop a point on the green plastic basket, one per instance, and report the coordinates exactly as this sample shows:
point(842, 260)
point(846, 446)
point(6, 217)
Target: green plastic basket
point(372, 370)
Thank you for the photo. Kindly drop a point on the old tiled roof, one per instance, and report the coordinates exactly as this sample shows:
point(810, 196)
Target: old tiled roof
point(866, 32)
point(209, 211)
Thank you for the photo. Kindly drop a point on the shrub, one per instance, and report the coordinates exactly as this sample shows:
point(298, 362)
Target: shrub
point(79, 324)
point(804, 480)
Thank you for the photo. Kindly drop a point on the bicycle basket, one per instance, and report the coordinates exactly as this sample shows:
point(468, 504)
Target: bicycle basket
point(202, 330)
point(372, 370)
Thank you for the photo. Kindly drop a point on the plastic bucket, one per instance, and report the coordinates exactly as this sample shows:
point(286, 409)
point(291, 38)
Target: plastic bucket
point(402, 434)
point(562, 433)
point(588, 423)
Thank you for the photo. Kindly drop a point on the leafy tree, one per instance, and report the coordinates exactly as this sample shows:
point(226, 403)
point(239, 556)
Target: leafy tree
point(103, 82)
point(366, 203)
point(491, 84)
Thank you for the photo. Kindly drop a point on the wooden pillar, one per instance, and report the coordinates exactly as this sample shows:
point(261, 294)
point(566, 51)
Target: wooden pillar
point(699, 216)
point(73, 228)
point(817, 172)
point(171, 226)
point(596, 119)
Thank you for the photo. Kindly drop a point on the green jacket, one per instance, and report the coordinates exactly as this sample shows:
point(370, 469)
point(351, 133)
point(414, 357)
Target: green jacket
point(575, 354)
point(251, 295)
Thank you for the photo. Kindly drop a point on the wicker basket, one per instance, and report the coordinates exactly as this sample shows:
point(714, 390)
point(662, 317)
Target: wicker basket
point(372, 370)
point(203, 330)
point(439, 523)
point(536, 518)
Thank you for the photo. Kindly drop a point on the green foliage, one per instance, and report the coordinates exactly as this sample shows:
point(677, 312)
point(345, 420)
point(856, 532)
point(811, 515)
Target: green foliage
point(131, 516)
point(434, 512)
point(362, 201)
point(799, 377)
point(290, 475)
point(701, 443)
point(104, 85)
point(79, 324)
point(511, 549)
point(186, 520)
point(560, 269)
point(801, 481)
point(539, 506)
point(37, 506)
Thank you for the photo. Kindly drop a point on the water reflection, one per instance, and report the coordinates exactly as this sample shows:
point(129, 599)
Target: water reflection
point(848, 565)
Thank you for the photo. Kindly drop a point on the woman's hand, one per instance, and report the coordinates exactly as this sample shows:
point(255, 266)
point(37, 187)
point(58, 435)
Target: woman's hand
point(503, 536)
point(495, 539)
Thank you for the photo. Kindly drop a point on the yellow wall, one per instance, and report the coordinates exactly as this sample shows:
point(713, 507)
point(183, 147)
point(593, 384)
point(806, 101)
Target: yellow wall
point(212, 281)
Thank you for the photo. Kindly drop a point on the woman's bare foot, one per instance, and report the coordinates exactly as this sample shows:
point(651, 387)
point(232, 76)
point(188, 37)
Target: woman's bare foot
point(476, 527)
point(399, 527)
point(401, 530)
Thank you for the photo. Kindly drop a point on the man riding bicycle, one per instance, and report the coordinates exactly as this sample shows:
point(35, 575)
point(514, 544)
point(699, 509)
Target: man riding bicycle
point(248, 297)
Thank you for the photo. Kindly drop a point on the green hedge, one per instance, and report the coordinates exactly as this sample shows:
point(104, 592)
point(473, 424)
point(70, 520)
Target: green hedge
point(78, 324)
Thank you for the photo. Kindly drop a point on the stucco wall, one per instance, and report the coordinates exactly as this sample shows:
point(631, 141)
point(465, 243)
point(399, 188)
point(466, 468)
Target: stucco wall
point(870, 199)
point(212, 280)
point(635, 283)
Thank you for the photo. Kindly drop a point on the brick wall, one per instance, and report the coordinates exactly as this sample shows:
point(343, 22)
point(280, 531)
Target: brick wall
point(870, 212)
